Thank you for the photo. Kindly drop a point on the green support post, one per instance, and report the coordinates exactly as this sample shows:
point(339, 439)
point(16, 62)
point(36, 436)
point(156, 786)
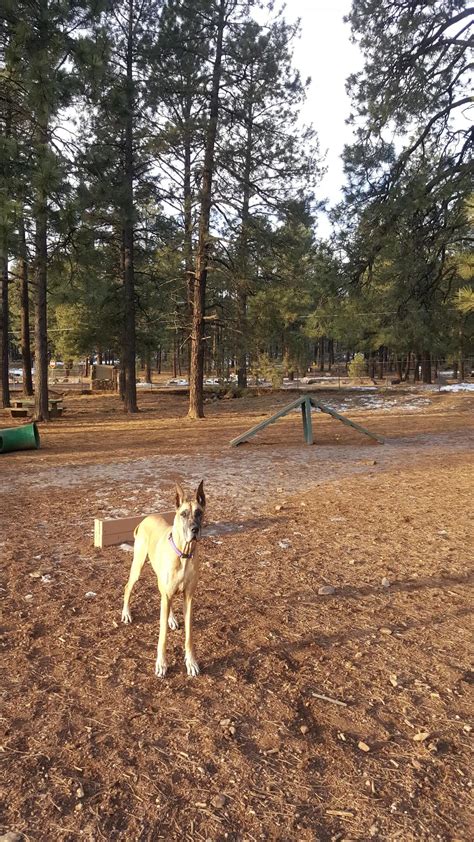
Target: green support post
point(307, 420)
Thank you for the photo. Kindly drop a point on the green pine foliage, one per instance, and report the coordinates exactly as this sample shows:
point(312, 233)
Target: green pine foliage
point(105, 110)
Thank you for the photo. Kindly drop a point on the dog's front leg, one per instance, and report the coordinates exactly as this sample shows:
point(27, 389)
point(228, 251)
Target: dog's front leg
point(161, 665)
point(189, 658)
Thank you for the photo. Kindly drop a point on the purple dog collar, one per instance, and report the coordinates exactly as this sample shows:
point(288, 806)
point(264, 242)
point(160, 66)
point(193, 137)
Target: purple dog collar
point(178, 552)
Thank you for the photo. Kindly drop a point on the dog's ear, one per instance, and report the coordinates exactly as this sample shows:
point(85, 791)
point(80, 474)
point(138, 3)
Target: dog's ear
point(200, 496)
point(180, 496)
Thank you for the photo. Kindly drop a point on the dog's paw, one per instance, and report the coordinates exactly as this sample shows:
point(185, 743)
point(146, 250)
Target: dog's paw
point(192, 666)
point(161, 668)
point(172, 622)
point(126, 616)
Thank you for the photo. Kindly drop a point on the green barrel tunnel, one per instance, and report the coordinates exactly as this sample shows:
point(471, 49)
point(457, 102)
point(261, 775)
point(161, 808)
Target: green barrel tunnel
point(25, 437)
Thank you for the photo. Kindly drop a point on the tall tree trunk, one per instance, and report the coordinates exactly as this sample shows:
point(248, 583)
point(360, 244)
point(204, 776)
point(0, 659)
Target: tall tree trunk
point(462, 362)
point(321, 354)
point(4, 308)
point(41, 326)
point(241, 339)
point(196, 375)
point(188, 223)
point(372, 365)
point(4, 322)
point(416, 371)
point(121, 381)
point(243, 261)
point(330, 354)
point(381, 363)
point(148, 366)
point(129, 346)
point(25, 309)
point(426, 367)
point(175, 356)
point(406, 370)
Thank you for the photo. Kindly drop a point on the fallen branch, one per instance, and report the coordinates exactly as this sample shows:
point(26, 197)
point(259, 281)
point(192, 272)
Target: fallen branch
point(329, 699)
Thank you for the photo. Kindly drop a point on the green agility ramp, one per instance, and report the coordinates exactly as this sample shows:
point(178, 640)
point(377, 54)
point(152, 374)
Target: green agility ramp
point(306, 403)
point(25, 437)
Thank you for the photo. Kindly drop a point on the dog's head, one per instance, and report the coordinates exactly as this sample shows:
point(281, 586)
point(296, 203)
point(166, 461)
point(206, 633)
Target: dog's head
point(190, 513)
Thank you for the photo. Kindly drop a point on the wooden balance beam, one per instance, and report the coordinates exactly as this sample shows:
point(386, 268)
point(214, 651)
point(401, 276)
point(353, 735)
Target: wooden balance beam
point(118, 530)
point(306, 403)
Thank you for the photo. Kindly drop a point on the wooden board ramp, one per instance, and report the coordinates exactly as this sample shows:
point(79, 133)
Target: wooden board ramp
point(119, 530)
point(306, 403)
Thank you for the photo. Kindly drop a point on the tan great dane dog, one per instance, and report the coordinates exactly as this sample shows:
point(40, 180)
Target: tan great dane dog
point(171, 545)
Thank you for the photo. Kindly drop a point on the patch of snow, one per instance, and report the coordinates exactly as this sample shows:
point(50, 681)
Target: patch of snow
point(458, 387)
point(127, 548)
point(178, 382)
point(348, 403)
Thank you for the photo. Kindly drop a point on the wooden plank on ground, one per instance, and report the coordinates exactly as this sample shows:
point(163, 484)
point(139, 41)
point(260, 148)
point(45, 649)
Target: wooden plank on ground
point(119, 530)
point(344, 420)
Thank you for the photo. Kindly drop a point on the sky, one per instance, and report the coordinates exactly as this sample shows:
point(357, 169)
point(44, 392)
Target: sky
point(325, 53)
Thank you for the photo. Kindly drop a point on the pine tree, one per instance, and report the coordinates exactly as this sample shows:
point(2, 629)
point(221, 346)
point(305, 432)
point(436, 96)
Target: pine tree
point(222, 11)
point(117, 159)
point(179, 85)
point(39, 57)
point(415, 84)
point(267, 158)
point(404, 210)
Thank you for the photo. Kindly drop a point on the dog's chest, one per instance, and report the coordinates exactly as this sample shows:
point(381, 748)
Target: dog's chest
point(180, 576)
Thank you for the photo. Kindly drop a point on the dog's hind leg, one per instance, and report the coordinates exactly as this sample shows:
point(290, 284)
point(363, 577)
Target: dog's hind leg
point(139, 557)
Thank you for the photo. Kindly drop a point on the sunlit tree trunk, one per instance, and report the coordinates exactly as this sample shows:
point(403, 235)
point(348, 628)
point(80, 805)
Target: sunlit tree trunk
point(196, 375)
point(4, 322)
point(25, 309)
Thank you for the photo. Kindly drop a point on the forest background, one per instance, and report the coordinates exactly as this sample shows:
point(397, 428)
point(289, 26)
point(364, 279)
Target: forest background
point(159, 194)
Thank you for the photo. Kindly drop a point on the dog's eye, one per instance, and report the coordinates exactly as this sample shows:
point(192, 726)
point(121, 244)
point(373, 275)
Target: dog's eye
point(184, 514)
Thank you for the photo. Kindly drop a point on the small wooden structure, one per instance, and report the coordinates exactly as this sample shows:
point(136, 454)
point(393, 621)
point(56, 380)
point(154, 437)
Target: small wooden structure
point(307, 403)
point(23, 407)
point(118, 530)
point(104, 378)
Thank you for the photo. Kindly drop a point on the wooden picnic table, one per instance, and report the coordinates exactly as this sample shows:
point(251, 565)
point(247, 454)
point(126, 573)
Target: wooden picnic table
point(21, 407)
point(19, 403)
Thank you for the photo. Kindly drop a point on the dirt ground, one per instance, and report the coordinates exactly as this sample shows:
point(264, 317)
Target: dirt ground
point(95, 747)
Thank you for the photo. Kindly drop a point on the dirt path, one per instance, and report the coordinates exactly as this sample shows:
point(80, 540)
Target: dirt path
point(95, 747)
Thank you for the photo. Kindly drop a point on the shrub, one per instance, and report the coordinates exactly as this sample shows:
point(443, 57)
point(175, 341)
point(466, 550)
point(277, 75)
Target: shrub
point(357, 367)
point(270, 370)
